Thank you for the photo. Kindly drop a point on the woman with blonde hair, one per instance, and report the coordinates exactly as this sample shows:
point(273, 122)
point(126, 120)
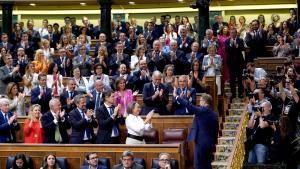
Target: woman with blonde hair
point(33, 130)
point(48, 51)
point(102, 58)
point(16, 99)
point(41, 62)
point(140, 54)
point(30, 78)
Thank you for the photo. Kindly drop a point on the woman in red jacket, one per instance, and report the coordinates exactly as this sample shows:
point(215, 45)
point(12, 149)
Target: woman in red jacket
point(33, 131)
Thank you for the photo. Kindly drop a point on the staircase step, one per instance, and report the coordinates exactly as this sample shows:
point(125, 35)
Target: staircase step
point(221, 156)
point(226, 140)
point(230, 126)
point(235, 119)
point(235, 112)
point(237, 105)
point(219, 165)
point(238, 100)
point(224, 148)
point(229, 133)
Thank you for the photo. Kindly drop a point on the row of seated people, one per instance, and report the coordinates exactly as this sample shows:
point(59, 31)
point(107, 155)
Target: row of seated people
point(92, 161)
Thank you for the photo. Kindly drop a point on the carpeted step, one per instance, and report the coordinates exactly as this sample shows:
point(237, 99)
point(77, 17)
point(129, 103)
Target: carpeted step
point(222, 148)
point(234, 119)
point(219, 165)
point(229, 133)
point(235, 112)
point(226, 140)
point(230, 126)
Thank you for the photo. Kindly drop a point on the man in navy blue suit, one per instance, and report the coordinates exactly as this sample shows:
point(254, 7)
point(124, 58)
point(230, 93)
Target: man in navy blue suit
point(109, 119)
point(64, 63)
point(83, 122)
point(67, 97)
point(155, 95)
point(186, 93)
point(118, 58)
point(204, 131)
point(55, 123)
point(41, 94)
point(8, 123)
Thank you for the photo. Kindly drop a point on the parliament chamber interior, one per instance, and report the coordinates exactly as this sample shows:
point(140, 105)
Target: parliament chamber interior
point(136, 84)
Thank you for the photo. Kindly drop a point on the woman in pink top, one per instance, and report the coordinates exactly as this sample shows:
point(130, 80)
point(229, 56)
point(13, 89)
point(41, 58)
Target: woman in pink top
point(123, 96)
point(33, 131)
point(222, 37)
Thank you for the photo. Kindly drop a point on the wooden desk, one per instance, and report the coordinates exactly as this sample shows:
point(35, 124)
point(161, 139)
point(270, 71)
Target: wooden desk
point(158, 122)
point(270, 63)
point(75, 154)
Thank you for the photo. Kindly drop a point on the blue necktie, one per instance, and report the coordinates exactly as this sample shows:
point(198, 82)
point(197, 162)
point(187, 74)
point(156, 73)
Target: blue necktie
point(114, 128)
point(87, 130)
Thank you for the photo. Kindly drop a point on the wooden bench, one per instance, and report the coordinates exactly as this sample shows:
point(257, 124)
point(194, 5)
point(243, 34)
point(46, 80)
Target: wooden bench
point(270, 63)
point(75, 154)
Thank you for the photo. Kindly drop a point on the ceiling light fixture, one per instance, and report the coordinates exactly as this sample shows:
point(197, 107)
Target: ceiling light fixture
point(179, 0)
point(82, 4)
point(131, 3)
point(32, 4)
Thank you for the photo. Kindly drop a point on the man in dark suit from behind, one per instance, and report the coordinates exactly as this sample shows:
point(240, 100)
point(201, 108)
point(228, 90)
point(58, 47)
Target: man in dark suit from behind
point(8, 73)
point(41, 94)
point(67, 97)
point(128, 162)
point(8, 123)
point(92, 160)
point(109, 118)
point(5, 44)
point(55, 124)
point(204, 131)
point(155, 95)
point(83, 122)
point(234, 47)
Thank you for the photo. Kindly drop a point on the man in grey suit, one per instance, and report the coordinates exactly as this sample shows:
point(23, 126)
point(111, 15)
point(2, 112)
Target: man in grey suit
point(127, 162)
point(8, 73)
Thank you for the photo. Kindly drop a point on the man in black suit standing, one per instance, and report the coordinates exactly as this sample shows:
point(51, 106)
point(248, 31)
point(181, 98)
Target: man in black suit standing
point(83, 122)
point(27, 45)
point(8, 123)
point(67, 97)
point(64, 63)
point(234, 47)
point(5, 44)
point(218, 24)
point(141, 76)
point(8, 73)
point(41, 94)
point(109, 119)
point(177, 58)
point(155, 95)
point(256, 41)
point(118, 58)
point(157, 59)
point(55, 124)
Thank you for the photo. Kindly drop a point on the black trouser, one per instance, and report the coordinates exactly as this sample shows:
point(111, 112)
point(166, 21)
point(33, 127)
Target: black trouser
point(236, 77)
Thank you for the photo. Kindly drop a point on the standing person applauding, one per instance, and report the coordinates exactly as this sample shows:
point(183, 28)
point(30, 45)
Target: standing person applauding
point(33, 129)
point(136, 125)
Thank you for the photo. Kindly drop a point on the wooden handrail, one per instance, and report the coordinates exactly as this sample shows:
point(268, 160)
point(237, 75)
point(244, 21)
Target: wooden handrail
point(236, 158)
